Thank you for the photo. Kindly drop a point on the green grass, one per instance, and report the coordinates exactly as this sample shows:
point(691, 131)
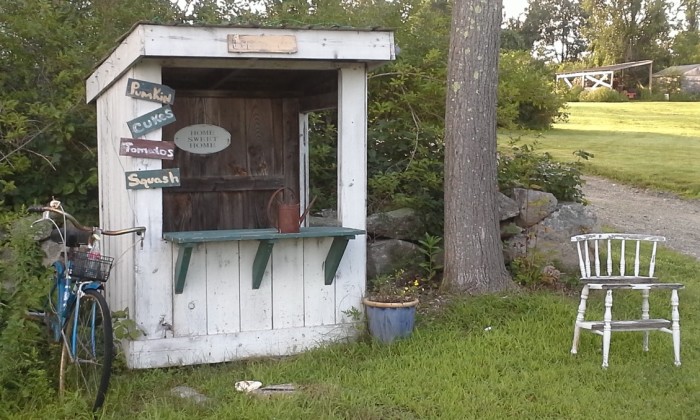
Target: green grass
point(647, 144)
point(452, 368)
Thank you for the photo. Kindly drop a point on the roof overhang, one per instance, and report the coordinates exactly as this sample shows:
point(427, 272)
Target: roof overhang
point(604, 69)
point(212, 46)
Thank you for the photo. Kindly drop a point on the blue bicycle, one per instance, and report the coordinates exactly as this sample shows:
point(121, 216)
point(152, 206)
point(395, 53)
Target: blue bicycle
point(77, 312)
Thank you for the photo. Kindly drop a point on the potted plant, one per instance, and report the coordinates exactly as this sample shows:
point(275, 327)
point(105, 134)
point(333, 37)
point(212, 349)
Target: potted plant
point(390, 306)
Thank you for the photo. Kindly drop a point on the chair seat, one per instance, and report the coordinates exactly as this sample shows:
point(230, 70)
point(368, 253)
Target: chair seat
point(627, 325)
point(608, 285)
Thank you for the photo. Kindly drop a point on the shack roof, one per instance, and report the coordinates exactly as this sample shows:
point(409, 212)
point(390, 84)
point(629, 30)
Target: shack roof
point(260, 47)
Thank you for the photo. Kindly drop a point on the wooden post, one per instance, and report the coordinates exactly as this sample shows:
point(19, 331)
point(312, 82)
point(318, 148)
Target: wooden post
point(352, 182)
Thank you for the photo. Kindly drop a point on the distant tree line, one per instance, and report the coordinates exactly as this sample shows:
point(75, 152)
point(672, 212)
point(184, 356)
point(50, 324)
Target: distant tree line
point(601, 32)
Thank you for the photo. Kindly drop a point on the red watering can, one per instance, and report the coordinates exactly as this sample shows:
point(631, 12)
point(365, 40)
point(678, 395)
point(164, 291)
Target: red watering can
point(288, 219)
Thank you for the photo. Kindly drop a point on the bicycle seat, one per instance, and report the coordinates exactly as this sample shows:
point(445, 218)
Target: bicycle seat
point(74, 237)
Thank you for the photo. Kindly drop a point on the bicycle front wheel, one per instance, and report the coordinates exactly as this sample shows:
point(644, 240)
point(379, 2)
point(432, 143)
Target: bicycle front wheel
point(88, 348)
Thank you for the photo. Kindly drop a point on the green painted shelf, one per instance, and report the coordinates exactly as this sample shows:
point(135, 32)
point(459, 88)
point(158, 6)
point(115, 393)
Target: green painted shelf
point(267, 238)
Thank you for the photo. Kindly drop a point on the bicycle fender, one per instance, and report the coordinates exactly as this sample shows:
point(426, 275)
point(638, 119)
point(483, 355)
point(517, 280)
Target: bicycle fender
point(94, 285)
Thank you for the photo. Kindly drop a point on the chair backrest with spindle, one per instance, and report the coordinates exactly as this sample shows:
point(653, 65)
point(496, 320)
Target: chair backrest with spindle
point(607, 256)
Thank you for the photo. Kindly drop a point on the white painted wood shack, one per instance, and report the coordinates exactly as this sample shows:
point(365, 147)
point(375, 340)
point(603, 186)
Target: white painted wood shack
point(213, 281)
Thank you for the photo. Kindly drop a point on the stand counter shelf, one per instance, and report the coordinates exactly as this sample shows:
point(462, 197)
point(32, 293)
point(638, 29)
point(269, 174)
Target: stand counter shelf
point(267, 238)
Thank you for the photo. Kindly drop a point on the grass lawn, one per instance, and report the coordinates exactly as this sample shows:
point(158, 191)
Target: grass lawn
point(452, 368)
point(648, 144)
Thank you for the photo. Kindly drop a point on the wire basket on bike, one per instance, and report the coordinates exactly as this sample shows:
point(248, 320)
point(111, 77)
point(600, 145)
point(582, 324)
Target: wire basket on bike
point(91, 266)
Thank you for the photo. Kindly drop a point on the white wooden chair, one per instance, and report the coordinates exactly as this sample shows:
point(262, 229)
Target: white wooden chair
point(611, 250)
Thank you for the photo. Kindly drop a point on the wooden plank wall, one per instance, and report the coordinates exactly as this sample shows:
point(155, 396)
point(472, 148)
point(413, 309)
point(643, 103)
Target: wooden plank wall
point(219, 297)
point(230, 189)
point(141, 278)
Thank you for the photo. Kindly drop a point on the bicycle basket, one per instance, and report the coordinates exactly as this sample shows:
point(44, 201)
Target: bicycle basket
point(89, 266)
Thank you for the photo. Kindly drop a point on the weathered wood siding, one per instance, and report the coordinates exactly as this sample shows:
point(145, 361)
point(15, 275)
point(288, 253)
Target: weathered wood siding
point(219, 303)
point(141, 279)
point(230, 189)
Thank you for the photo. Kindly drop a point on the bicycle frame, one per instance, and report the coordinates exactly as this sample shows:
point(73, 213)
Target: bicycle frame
point(67, 300)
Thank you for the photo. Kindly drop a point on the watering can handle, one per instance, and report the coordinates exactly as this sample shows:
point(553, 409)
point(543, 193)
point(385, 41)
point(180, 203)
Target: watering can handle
point(269, 205)
point(272, 198)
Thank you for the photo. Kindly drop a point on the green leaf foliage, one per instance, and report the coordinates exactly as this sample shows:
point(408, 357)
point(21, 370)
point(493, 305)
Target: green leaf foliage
point(27, 373)
point(47, 131)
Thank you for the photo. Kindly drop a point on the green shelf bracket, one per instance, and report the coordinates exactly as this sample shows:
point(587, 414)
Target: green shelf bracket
point(262, 257)
point(181, 266)
point(335, 254)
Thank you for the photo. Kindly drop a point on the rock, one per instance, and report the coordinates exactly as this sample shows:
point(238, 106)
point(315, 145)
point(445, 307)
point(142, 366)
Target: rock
point(508, 230)
point(275, 390)
point(553, 235)
point(507, 207)
point(573, 219)
point(515, 247)
point(323, 221)
point(534, 206)
point(41, 231)
point(52, 252)
point(388, 255)
point(189, 393)
point(397, 224)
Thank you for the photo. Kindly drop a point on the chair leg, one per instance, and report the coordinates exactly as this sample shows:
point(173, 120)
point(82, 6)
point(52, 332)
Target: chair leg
point(579, 318)
point(645, 315)
point(607, 329)
point(676, 327)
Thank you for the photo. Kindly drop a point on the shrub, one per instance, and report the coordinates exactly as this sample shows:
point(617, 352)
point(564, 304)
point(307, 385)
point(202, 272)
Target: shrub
point(527, 97)
point(602, 94)
point(26, 371)
point(573, 94)
point(521, 166)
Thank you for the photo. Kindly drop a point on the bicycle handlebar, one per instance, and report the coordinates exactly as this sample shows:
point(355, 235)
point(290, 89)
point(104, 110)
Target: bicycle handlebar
point(40, 209)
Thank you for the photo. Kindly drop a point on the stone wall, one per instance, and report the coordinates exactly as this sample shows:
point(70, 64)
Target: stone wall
point(531, 221)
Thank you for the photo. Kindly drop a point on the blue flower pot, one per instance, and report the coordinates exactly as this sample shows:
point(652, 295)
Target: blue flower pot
point(390, 321)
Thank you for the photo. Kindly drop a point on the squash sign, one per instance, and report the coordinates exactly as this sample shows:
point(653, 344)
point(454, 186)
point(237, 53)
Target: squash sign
point(144, 180)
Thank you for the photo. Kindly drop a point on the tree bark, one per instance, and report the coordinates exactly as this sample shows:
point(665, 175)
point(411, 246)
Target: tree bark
point(473, 249)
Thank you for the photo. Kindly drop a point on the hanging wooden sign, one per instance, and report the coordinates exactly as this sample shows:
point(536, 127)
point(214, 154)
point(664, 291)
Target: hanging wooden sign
point(148, 149)
point(160, 178)
point(202, 139)
point(141, 89)
point(282, 44)
point(152, 121)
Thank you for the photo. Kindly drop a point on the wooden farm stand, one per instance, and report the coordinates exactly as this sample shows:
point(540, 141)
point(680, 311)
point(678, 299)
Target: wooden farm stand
point(212, 281)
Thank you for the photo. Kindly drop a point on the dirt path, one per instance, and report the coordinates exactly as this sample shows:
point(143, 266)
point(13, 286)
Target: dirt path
point(635, 210)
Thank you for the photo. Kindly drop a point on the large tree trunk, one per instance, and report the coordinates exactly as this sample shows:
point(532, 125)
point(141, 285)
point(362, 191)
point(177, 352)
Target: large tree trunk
point(473, 249)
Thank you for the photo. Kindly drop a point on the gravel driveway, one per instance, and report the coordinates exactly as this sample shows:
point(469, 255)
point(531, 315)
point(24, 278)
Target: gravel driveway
point(634, 210)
